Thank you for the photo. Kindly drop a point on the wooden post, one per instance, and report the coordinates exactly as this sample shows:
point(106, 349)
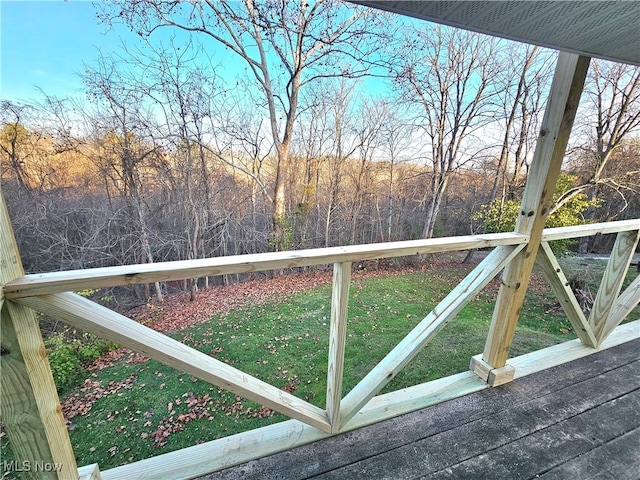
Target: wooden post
point(568, 82)
point(337, 338)
point(29, 403)
point(89, 472)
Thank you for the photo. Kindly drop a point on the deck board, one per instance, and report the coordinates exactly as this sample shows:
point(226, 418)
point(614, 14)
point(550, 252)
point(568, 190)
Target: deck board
point(577, 420)
point(597, 464)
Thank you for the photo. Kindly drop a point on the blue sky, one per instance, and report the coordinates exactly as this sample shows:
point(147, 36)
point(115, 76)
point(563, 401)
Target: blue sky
point(45, 43)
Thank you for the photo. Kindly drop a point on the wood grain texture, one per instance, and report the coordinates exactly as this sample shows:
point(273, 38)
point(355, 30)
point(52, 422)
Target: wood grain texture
point(577, 231)
point(486, 373)
point(91, 317)
point(568, 82)
point(500, 376)
point(626, 302)
point(21, 398)
point(480, 368)
point(29, 402)
point(10, 262)
point(45, 283)
point(612, 280)
point(337, 340)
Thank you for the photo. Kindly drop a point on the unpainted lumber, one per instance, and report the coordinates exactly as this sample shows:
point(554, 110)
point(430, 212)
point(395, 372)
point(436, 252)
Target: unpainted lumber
point(480, 368)
point(493, 376)
point(337, 340)
point(564, 96)
point(71, 280)
point(500, 376)
point(612, 280)
point(422, 334)
point(590, 229)
point(89, 472)
point(626, 302)
point(572, 350)
point(82, 313)
point(29, 403)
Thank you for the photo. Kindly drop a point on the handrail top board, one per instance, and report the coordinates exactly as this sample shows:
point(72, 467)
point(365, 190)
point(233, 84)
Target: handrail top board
point(70, 280)
point(576, 231)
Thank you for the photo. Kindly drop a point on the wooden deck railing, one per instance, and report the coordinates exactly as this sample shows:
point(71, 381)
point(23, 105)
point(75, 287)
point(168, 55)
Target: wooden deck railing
point(29, 403)
point(51, 293)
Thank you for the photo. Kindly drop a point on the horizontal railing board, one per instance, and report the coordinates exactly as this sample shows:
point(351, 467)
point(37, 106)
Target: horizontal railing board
point(577, 231)
point(70, 280)
point(572, 350)
point(201, 459)
point(215, 455)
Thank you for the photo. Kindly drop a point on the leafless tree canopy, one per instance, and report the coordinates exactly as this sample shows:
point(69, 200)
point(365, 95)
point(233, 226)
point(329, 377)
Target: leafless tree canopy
point(342, 126)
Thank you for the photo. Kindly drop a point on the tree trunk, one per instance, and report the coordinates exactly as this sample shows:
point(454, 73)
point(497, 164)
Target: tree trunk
point(279, 219)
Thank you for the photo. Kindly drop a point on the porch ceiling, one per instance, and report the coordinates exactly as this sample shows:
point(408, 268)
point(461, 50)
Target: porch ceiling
point(607, 29)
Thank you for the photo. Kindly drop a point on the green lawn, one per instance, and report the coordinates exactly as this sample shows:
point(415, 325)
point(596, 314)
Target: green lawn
point(141, 408)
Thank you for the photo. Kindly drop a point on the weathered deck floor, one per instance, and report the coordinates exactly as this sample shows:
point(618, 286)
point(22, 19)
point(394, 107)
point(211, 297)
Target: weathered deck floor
point(580, 421)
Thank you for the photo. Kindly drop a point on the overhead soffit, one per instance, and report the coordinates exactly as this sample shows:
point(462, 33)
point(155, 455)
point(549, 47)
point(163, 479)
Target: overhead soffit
point(608, 29)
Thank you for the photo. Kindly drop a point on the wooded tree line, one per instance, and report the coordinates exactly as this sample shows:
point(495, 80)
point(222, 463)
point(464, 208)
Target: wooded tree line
point(342, 126)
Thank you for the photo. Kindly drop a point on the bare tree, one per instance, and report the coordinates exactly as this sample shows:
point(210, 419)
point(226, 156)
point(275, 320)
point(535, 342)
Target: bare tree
point(179, 86)
point(397, 146)
point(344, 144)
point(123, 147)
point(525, 76)
point(514, 101)
point(448, 77)
point(20, 148)
point(612, 116)
point(286, 45)
point(367, 130)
